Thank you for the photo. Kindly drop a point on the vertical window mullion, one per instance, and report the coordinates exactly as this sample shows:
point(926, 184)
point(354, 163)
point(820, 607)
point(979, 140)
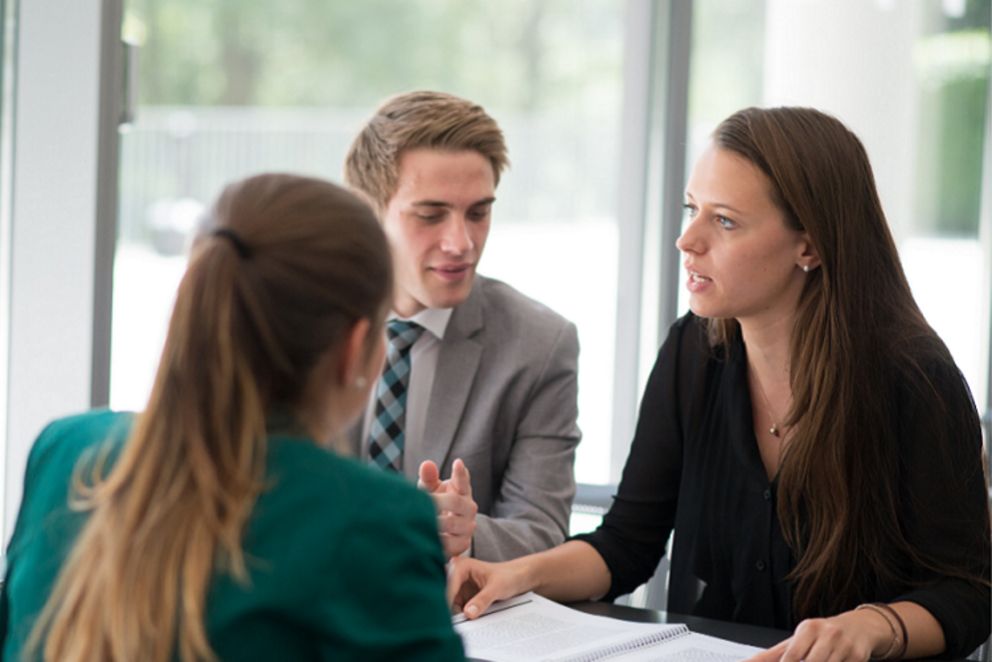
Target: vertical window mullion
point(652, 174)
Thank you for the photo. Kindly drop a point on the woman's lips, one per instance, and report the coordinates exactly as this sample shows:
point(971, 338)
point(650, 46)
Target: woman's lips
point(697, 282)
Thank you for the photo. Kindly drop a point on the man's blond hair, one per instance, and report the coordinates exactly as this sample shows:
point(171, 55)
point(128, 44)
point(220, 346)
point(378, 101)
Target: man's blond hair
point(418, 120)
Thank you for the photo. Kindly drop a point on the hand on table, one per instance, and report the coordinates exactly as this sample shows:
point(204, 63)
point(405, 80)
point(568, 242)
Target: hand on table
point(848, 637)
point(473, 585)
point(456, 509)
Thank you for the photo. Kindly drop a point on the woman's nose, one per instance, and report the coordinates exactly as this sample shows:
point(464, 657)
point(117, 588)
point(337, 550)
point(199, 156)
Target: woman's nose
point(690, 241)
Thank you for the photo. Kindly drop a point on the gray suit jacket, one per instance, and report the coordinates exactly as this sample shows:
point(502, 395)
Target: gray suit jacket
point(504, 401)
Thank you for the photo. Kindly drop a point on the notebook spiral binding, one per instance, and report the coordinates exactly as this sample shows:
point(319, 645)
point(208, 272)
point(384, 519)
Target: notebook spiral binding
point(607, 652)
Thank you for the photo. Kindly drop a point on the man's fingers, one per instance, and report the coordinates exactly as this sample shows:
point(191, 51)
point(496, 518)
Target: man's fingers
point(456, 526)
point(429, 476)
point(456, 504)
point(460, 478)
point(455, 545)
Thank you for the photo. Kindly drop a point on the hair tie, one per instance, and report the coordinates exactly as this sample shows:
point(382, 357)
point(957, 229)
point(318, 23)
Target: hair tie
point(239, 244)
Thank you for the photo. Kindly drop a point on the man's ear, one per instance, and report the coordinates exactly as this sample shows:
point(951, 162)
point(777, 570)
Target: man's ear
point(353, 355)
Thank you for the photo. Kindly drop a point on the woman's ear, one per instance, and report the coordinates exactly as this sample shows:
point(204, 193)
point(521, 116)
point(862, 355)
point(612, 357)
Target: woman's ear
point(809, 258)
point(353, 355)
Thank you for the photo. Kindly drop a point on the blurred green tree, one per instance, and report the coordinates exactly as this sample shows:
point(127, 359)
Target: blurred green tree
point(520, 54)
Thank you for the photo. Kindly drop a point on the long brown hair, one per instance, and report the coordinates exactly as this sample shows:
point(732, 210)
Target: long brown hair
point(284, 269)
point(858, 331)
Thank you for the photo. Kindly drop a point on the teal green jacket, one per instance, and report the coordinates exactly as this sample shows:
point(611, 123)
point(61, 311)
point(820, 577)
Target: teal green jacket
point(345, 560)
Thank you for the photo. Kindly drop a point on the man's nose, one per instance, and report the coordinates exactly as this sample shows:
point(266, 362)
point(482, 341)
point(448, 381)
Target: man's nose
point(456, 238)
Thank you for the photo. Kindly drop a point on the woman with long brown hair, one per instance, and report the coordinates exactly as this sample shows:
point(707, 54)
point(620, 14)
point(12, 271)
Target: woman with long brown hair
point(804, 432)
point(216, 525)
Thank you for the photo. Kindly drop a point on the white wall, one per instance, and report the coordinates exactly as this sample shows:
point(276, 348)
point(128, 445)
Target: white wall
point(53, 226)
point(853, 59)
point(857, 59)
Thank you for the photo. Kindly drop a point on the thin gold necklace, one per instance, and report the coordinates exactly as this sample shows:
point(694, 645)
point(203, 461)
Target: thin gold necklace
point(773, 430)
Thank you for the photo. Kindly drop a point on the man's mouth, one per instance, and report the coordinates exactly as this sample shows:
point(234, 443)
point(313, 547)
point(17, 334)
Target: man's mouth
point(452, 272)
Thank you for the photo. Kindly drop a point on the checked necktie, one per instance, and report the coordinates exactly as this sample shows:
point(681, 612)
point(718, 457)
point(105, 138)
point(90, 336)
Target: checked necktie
point(388, 433)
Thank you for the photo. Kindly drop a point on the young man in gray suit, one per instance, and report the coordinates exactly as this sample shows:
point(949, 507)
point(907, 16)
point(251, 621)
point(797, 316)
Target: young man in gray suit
point(480, 383)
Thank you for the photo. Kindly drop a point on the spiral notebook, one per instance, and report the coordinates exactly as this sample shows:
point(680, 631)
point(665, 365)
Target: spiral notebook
point(530, 628)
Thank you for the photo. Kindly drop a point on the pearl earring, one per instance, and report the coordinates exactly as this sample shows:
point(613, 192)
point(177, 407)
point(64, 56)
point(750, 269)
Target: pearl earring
point(806, 268)
point(361, 382)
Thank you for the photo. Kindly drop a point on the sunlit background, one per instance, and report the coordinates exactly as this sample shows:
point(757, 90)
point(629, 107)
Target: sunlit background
point(234, 87)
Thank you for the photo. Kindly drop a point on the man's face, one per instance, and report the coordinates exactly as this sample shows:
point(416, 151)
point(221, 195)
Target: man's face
point(437, 223)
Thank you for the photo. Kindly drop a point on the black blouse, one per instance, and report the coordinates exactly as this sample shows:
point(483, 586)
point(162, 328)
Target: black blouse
point(694, 465)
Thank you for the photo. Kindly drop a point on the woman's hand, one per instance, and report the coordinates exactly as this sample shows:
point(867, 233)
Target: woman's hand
point(853, 636)
point(571, 572)
point(858, 635)
point(473, 585)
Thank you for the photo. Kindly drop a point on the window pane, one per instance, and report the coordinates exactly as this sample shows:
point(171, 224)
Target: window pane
point(233, 87)
point(912, 80)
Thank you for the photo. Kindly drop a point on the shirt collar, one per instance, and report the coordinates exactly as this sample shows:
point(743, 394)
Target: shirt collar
point(434, 320)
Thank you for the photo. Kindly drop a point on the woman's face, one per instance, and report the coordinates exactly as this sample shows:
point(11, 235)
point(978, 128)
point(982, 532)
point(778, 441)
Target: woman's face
point(741, 258)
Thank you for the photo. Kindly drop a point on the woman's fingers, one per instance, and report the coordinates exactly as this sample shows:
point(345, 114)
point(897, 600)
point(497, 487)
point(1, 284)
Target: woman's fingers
point(773, 654)
point(474, 585)
point(841, 638)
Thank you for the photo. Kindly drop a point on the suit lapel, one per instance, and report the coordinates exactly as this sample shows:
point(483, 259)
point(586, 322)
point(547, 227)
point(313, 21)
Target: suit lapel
point(457, 365)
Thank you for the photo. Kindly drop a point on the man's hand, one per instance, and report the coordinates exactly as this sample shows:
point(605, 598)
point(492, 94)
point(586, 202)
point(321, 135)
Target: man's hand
point(456, 509)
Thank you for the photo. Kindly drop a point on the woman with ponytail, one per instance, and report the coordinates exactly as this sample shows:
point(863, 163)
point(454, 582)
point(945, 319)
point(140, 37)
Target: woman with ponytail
point(804, 432)
point(219, 524)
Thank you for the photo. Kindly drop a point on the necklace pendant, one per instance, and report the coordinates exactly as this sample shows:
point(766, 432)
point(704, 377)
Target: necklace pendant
point(774, 429)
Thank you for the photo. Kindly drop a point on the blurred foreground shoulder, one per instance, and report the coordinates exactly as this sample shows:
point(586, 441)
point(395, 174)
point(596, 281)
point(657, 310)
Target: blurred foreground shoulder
point(353, 555)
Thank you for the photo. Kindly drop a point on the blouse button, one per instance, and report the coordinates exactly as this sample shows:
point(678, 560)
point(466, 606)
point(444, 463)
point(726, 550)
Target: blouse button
point(760, 565)
point(768, 495)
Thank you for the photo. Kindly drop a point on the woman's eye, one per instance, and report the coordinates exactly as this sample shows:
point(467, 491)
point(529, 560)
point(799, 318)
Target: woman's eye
point(690, 211)
point(725, 222)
